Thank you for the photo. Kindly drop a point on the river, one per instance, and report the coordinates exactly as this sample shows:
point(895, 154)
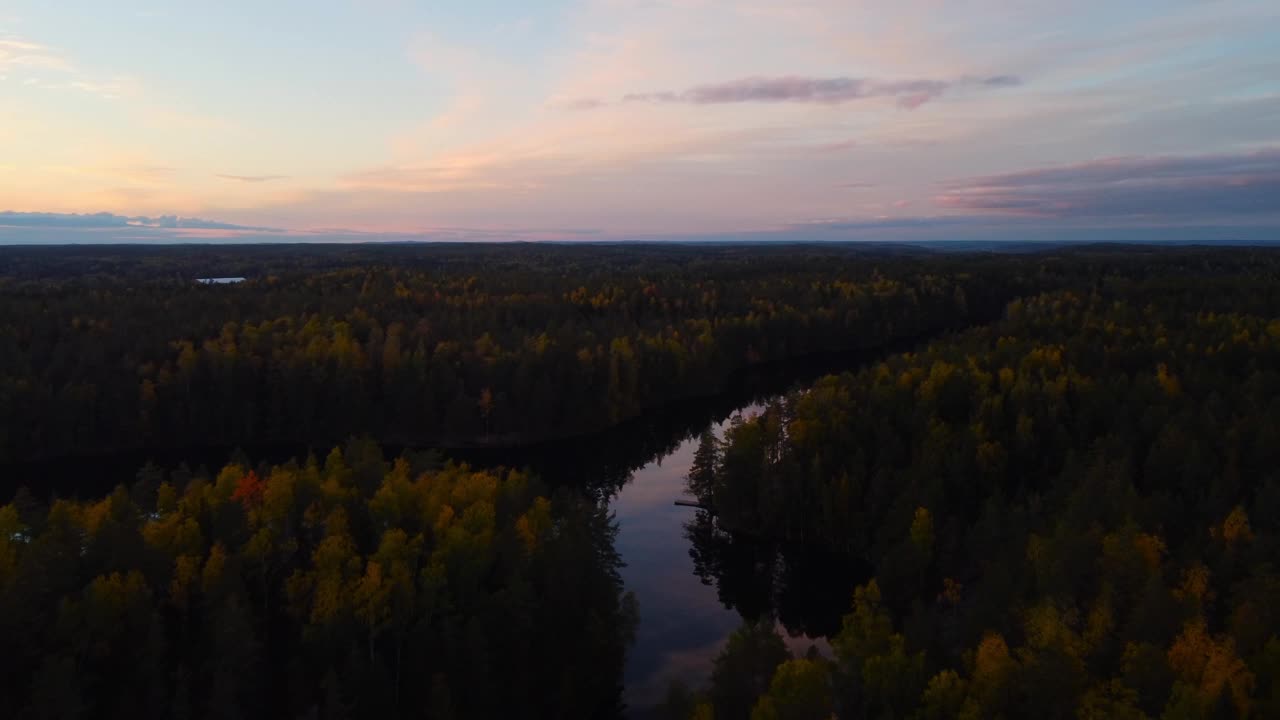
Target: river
point(685, 619)
point(694, 583)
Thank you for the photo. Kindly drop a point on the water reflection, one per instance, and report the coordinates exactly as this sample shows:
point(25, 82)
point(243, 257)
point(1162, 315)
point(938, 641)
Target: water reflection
point(696, 582)
point(806, 591)
point(682, 622)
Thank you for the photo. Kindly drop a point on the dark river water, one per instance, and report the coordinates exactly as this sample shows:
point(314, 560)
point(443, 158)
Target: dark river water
point(686, 612)
point(694, 583)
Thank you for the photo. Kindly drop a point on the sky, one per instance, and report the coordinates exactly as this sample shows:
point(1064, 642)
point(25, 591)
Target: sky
point(332, 120)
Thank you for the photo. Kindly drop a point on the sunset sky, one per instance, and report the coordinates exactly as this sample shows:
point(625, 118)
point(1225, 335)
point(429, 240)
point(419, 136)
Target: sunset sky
point(639, 119)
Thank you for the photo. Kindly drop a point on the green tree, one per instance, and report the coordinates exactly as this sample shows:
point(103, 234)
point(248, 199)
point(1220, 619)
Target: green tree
point(743, 670)
point(800, 690)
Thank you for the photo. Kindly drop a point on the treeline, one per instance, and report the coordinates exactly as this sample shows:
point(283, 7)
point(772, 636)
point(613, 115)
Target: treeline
point(114, 349)
point(342, 587)
point(430, 346)
point(1073, 512)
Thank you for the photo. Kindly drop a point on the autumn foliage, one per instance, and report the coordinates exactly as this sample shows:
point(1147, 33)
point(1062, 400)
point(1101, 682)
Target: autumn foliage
point(249, 491)
point(1072, 512)
point(322, 588)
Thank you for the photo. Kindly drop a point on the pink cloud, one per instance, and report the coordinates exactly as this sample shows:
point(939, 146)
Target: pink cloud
point(1130, 186)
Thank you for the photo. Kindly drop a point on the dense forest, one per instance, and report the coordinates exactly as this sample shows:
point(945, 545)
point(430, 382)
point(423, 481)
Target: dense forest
point(342, 587)
point(1071, 512)
point(1053, 491)
point(430, 345)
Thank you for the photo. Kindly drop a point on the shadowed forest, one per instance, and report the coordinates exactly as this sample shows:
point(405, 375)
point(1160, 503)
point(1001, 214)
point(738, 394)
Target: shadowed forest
point(1046, 487)
point(434, 345)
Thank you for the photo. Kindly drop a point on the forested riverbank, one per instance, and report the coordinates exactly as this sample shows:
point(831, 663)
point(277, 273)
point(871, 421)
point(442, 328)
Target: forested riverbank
point(1060, 503)
point(1071, 512)
point(431, 347)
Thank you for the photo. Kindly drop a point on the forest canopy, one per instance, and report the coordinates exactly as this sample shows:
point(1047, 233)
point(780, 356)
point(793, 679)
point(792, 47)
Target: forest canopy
point(1071, 512)
point(424, 345)
point(343, 587)
point(1052, 492)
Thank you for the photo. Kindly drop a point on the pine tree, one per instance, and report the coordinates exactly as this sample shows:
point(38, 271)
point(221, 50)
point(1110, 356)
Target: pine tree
point(702, 473)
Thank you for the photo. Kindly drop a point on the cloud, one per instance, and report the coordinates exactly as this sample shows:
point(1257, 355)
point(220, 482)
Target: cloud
point(481, 172)
point(843, 225)
point(452, 234)
point(76, 220)
point(836, 146)
point(16, 45)
point(910, 94)
point(582, 103)
point(998, 81)
point(17, 53)
point(1222, 184)
point(173, 222)
point(36, 63)
point(822, 91)
point(70, 228)
point(253, 178)
point(111, 220)
point(112, 89)
point(993, 227)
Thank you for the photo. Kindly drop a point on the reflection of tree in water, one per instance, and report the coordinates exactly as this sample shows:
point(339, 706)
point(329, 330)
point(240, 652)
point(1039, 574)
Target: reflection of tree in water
point(807, 591)
point(742, 571)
